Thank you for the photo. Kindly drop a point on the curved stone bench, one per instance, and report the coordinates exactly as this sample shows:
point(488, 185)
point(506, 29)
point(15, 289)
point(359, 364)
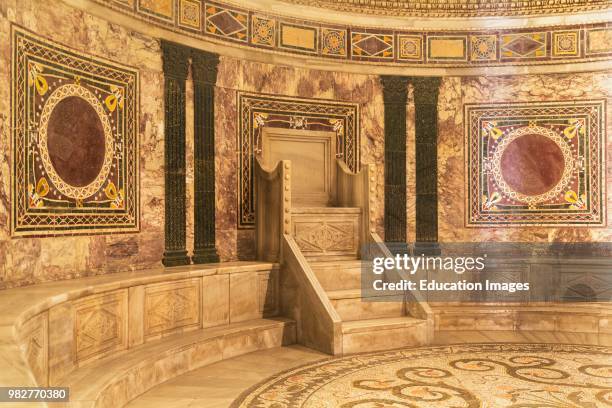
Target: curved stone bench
point(110, 338)
point(594, 320)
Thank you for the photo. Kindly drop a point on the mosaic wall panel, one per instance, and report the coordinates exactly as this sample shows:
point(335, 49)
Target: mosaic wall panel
point(256, 111)
point(274, 33)
point(75, 146)
point(536, 164)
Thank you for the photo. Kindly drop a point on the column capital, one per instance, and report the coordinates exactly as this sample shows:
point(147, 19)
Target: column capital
point(204, 67)
point(395, 88)
point(175, 59)
point(426, 90)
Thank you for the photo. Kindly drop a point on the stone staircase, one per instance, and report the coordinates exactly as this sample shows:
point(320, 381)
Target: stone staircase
point(329, 239)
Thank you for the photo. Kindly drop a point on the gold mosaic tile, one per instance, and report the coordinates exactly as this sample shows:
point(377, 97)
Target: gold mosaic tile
point(566, 43)
point(190, 12)
point(298, 37)
point(371, 45)
point(157, 8)
point(599, 40)
point(333, 42)
point(446, 48)
point(410, 47)
point(523, 45)
point(222, 22)
point(263, 31)
point(483, 47)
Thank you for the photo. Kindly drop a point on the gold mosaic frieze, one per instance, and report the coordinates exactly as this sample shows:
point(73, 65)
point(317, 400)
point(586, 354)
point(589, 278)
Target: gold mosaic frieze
point(272, 32)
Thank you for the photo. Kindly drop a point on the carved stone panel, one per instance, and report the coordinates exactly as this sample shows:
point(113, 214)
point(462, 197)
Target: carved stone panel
point(34, 343)
point(172, 307)
point(319, 234)
point(100, 325)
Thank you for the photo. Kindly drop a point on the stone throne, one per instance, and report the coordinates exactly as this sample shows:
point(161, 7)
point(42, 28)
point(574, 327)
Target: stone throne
point(313, 216)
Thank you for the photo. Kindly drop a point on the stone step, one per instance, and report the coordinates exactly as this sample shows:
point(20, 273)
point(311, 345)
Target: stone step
point(351, 306)
point(383, 334)
point(338, 275)
point(325, 210)
point(113, 382)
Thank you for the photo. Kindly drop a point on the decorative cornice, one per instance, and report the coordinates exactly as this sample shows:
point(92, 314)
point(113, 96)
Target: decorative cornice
point(458, 8)
point(460, 47)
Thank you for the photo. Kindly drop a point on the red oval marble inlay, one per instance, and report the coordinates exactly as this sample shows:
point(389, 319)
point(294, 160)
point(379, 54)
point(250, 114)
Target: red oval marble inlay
point(75, 139)
point(532, 164)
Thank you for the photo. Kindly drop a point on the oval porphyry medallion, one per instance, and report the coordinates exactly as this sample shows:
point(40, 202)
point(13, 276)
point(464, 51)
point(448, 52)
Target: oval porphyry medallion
point(76, 141)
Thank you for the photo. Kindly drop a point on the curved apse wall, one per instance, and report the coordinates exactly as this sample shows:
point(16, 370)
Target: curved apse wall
point(36, 259)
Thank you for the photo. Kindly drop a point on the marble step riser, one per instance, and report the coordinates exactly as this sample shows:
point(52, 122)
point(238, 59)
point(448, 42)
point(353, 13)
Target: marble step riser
point(356, 309)
point(339, 279)
point(377, 339)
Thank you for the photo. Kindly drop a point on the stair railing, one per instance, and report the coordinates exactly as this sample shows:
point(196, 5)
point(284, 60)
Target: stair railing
point(302, 296)
point(357, 190)
point(272, 208)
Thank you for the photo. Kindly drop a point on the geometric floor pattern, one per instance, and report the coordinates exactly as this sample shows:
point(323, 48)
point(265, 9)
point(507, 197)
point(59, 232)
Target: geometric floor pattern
point(457, 376)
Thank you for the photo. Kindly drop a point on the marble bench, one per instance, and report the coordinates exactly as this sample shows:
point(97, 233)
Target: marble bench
point(590, 321)
point(110, 338)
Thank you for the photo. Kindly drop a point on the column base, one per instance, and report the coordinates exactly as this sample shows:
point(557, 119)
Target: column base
point(175, 258)
point(426, 248)
point(206, 255)
point(398, 247)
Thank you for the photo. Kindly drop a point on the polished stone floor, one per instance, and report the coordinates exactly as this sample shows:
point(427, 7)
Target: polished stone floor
point(219, 384)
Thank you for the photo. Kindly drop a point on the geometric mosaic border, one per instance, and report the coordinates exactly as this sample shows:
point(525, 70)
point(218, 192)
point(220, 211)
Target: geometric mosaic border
point(45, 77)
point(256, 111)
point(458, 48)
point(572, 134)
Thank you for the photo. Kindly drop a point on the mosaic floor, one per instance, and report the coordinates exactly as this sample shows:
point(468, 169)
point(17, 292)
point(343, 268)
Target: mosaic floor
point(478, 375)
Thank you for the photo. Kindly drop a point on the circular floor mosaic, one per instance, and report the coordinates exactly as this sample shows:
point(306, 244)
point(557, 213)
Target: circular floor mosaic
point(477, 375)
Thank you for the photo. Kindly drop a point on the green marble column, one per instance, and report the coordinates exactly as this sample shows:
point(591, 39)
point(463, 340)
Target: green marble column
point(175, 65)
point(204, 73)
point(425, 91)
point(395, 94)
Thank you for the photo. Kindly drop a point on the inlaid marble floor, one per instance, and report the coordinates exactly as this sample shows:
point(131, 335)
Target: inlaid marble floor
point(219, 384)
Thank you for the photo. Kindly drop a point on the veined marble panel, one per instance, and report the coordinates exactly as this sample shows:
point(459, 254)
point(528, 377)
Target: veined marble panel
point(100, 325)
point(170, 307)
point(34, 342)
